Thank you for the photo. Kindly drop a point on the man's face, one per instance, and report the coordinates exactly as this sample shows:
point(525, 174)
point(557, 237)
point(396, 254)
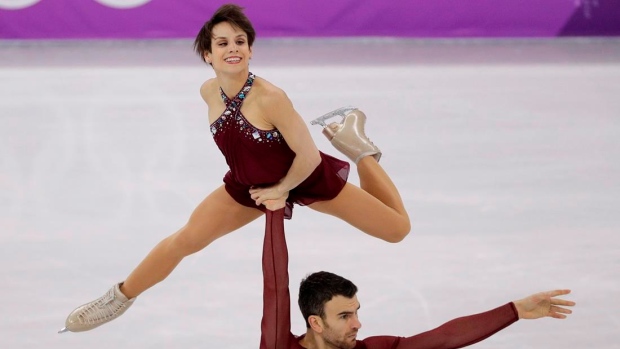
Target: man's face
point(341, 322)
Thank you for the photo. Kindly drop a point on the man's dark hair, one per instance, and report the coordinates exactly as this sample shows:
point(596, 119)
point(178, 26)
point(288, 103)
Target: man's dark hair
point(230, 13)
point(319, 288)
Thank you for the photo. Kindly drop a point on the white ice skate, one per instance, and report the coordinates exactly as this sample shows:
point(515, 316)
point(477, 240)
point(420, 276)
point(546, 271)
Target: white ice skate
point(348, 136)
point(98, 312)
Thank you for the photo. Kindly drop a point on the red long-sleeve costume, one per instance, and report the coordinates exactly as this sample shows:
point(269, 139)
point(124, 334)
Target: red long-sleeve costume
point(276, 322)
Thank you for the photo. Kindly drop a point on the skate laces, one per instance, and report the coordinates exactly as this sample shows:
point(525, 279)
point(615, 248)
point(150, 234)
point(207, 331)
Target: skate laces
point(102, 309)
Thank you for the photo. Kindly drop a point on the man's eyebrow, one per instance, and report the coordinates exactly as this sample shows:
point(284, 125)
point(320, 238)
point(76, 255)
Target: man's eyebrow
point(349, 312)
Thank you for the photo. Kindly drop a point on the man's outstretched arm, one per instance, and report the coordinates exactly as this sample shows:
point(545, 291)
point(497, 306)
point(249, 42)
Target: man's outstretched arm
point(471, 329)
point(276, 323)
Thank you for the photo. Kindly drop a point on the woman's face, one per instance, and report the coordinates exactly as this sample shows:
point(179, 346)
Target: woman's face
point(230, 51)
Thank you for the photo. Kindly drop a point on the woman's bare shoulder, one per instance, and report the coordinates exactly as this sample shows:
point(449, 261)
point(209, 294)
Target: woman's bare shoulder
point(269, 93)
point(208, 89)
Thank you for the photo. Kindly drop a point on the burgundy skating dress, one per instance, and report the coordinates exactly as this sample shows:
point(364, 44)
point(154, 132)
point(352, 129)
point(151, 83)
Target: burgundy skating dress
point(276, 322)
point(260, 158)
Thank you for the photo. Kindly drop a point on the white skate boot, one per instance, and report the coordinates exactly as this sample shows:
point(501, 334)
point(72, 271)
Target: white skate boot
point(348, 136)
point(98, 312)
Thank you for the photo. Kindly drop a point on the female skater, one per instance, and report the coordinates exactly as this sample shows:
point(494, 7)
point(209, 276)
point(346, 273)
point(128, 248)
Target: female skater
point(273, 163)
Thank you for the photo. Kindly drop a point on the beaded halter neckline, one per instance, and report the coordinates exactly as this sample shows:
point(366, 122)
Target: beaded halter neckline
point(233, 113)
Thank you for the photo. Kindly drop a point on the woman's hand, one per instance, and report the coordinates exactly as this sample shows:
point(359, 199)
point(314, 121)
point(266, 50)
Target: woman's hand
point(271, 197)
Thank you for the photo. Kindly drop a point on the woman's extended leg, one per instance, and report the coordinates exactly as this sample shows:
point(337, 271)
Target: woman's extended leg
point(217, 215)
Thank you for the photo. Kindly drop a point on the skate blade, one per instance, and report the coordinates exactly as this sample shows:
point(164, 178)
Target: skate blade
point(63, 330)
point(342, 112)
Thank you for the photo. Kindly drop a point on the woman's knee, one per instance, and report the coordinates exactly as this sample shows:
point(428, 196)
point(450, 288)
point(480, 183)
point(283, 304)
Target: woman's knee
point(399, 231)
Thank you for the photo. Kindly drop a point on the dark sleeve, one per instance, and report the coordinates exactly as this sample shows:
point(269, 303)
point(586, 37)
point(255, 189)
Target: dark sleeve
point(276, 323)
point(456, 333)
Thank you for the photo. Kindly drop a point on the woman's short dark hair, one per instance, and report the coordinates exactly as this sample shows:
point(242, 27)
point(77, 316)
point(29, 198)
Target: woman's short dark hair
point(319, 288)
point(230, 13)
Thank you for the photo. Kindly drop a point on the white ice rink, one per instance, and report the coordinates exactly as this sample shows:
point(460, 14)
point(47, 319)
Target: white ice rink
point(507, 154)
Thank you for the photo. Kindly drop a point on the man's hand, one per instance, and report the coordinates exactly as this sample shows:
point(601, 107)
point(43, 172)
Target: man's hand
point(544, 304)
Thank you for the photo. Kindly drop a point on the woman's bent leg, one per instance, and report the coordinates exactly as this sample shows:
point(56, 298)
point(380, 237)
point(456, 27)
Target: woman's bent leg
point(368, 213)
point(349, 137)
point(375, 181)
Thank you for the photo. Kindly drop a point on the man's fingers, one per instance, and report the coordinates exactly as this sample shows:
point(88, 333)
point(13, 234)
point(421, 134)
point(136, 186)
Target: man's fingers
point(558, 312)
point(554, 293)
point(558, 301)
point(557, 316)
point(556, 309)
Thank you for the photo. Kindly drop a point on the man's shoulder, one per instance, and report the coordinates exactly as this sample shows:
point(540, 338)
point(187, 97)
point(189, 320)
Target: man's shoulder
point(378, 342)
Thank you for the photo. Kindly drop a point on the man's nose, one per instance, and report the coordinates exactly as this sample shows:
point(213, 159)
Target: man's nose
point(356, 323)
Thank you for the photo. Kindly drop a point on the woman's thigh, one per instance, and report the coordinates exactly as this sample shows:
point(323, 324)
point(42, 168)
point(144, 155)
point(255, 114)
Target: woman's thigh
point(367, 213)
point(217, 215)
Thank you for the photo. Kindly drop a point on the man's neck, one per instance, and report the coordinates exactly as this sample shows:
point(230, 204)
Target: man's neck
point(312, 341)
point(307, 341)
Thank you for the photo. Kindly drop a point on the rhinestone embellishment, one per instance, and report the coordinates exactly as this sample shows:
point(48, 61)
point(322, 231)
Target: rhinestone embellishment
point(233, 112)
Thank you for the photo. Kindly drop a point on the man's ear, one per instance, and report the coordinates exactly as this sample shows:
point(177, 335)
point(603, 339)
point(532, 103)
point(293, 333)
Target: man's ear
point(316, 323)
point(206, 57)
